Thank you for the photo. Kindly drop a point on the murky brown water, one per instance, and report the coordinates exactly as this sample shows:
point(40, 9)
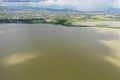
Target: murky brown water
point(50, 52)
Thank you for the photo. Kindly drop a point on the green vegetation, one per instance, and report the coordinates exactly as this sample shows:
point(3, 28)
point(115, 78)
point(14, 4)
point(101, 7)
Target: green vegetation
point(58, 17)
point(38, 21)
point(68, 23)
point(70, 15)
point(62, 22)
point(102, 25)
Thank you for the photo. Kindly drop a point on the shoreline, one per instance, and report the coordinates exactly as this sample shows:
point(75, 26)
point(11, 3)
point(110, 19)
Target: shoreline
point(112, 27)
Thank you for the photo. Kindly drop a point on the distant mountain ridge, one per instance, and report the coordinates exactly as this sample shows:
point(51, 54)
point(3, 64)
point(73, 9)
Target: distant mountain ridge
point(53, 7)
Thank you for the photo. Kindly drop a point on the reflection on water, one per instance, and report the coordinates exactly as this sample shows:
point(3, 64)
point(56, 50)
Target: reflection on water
point(114, 45)
point(50, 52)
point(1, 32)
point(18, 58)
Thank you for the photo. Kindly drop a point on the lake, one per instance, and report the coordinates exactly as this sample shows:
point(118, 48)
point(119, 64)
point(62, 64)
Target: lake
point(54, 52)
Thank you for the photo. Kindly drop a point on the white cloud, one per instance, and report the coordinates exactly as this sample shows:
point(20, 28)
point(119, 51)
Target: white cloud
point(116, 4)
point(84, 5)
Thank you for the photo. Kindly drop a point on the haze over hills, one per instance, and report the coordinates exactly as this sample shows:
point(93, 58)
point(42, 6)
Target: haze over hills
point(39, 7)
point(80, 5)
point(54, 7)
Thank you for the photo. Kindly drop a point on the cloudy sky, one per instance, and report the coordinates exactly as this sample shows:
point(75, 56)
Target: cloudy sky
point(83, 5)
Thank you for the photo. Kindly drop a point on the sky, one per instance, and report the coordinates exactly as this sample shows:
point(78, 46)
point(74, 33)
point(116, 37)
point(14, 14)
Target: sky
point(82, 5)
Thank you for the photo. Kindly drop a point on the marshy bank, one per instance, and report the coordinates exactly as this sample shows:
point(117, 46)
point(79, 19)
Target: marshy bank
point(100, 24)
point(64, 22)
